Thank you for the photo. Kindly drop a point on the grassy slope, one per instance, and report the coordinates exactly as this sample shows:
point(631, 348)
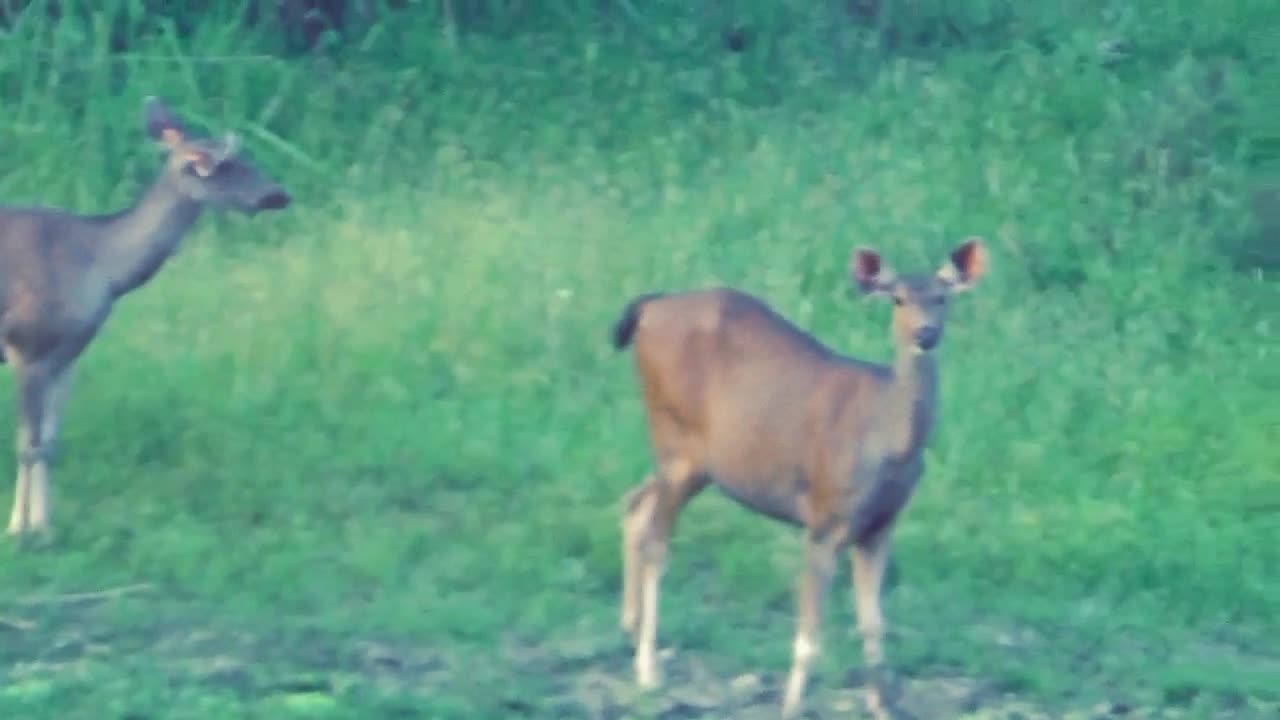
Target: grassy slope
point(390, 415)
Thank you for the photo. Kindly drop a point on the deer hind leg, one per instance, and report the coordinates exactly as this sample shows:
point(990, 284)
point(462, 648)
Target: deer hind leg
point(651, 513)
point(637, 505)
point(869, 560)
point(815, 581)
point(18, 517)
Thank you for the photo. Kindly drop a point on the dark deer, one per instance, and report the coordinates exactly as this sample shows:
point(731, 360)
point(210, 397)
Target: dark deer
point(60, 274)
point(737, 396)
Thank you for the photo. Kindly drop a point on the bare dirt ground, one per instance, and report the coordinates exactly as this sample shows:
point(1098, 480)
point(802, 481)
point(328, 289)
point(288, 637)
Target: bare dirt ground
point(690, 690)
point(596, 684)
point(587, 678)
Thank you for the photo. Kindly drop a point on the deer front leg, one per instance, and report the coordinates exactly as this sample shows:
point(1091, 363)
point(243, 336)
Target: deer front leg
point(55, 393)
point(51, 418)
point(31, 501)
point(869, 560)
point(815, 580)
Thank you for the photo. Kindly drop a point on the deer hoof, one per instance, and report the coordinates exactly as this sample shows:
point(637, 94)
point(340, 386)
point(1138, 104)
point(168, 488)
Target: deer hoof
point(647, 676)
point(31, 535)
point(882, 697)
point(647, 679)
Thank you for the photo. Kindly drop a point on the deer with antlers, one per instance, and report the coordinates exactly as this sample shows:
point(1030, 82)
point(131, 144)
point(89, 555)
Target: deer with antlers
point(61, 273)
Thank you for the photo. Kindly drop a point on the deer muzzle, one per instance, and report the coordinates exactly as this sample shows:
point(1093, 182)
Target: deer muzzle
point(274, 199)
point(927, 336)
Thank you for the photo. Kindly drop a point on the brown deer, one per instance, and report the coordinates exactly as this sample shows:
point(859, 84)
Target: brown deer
point(737, 396)
point(61, 273)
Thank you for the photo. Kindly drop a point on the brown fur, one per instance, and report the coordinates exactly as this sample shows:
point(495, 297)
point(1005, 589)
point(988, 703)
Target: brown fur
point(737, 396)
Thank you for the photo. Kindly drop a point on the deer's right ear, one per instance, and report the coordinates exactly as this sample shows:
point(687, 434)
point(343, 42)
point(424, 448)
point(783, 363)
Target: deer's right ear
point(965, 265)
point(162, 125)
point(869, 272)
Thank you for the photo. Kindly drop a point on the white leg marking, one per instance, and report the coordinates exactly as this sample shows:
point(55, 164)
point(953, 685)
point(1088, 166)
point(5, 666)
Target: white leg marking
point(39, 509)
point(868, 572)
point(20, 518)
point(21, 501)
point(646, 651)
point(55, 394)
point(634, 527)
point(804, 650)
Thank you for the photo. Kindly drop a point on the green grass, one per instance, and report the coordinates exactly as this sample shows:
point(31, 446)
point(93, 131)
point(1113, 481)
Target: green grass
point(367, 453)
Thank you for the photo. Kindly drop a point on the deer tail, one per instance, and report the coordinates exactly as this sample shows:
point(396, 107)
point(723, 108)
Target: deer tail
point(625, 327)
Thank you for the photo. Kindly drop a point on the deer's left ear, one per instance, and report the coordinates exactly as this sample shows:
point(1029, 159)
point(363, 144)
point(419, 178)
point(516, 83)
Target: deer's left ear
point(965, 265)
point(161, 124)
point(869, 272)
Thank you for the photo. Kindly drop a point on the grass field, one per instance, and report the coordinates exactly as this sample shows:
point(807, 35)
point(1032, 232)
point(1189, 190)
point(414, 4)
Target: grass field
point(363, 458)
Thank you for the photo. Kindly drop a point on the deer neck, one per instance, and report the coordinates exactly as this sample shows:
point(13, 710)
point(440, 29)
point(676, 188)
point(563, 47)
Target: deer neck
point(132, 244)
point(909, 403)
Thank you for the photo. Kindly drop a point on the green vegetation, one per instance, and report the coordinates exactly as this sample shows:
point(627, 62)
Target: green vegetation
point(366, 453)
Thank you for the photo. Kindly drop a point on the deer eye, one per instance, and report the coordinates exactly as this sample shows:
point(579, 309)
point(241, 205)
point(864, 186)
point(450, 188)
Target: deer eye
point(897, 300)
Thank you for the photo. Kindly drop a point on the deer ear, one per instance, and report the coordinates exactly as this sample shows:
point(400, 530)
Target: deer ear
point(869, 272)
point(230, 146)
point(965, 265)
point(161, 124)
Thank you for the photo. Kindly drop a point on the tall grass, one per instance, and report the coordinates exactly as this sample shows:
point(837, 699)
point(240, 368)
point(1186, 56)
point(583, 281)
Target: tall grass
point(390, 413)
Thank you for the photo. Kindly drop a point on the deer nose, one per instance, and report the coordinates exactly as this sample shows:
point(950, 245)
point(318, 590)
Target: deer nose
point(274, 200)
point(927, 336)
